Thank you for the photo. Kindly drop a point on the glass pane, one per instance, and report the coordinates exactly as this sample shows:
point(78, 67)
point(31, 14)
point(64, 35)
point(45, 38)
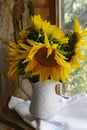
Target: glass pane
point(76, 9)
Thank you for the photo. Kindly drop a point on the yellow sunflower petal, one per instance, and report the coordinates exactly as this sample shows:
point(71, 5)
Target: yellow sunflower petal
point(37, 23)
point(24, 46)
point(13, 69)
point(74, 62)
point(44, 74)
point(30, 66)
point(47, 41)
point(54, 75)
point(49, 52)
point(77, 26)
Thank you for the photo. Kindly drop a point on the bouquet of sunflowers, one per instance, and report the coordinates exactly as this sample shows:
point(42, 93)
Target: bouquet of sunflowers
point(44, 51)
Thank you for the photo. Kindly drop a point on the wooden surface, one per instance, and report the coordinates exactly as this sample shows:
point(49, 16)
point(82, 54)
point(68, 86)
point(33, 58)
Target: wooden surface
point(12, 119)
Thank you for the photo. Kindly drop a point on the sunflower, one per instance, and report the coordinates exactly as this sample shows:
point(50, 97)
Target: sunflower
point(40, 24)
point(44, 60)
point(45, 51)
point(37, 22)
point(77, 40)
point(13, 58)
point(17, 54)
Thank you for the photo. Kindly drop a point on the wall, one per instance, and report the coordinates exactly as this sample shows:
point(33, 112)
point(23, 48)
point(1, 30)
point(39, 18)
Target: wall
point(8, 87)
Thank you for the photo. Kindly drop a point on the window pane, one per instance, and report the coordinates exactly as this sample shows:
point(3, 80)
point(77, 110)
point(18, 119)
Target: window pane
point(78, 80)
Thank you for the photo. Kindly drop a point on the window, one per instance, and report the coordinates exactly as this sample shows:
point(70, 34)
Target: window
point(75, 9)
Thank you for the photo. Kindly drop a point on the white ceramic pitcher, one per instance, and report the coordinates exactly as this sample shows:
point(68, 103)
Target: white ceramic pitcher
point(44, 101)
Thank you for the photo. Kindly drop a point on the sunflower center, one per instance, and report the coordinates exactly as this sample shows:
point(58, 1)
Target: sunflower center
point(41, 57)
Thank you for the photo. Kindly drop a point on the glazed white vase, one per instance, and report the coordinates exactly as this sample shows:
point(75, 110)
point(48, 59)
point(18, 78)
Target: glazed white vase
point(44, 102)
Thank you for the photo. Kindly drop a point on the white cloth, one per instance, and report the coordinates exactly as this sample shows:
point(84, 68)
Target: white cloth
point(72, 113)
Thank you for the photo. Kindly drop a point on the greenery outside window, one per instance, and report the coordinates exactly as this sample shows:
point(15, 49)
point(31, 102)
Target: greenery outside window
point(76, 9)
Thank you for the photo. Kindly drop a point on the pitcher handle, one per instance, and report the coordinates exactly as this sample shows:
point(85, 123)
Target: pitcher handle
point(58, 88)
point(23, 83)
